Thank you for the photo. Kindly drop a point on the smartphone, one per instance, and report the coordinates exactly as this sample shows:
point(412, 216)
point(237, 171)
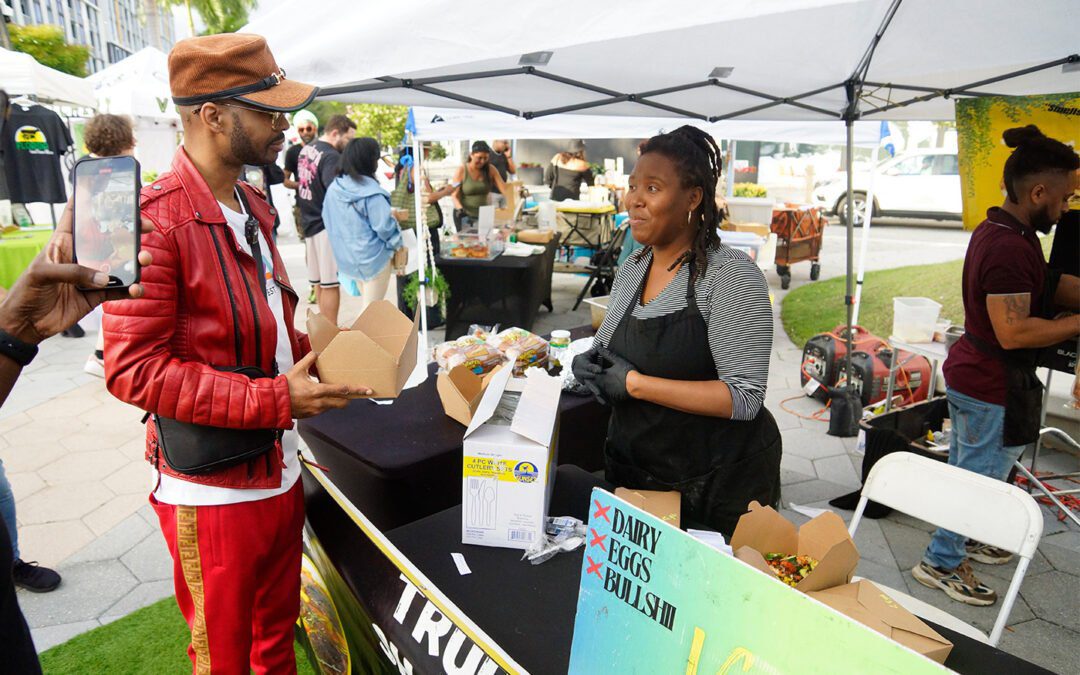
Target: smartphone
point(106, 217)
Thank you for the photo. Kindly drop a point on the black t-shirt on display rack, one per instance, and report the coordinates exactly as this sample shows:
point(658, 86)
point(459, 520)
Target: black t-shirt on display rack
point(34, 140)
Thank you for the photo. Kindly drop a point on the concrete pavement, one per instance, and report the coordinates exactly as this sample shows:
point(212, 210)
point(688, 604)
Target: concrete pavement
point(74, 455)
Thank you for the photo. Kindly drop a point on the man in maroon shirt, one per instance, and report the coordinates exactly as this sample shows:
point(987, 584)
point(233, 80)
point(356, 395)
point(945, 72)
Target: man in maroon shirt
point(994, 395)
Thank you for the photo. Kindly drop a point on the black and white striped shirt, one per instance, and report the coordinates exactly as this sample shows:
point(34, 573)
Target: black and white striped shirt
point(733, 298)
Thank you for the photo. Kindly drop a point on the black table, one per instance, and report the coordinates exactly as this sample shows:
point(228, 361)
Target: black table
point(508, 290)
point(540, 601)
point(401, 462)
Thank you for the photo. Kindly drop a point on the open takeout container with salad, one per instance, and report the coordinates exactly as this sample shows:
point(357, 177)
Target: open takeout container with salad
point(816, 556)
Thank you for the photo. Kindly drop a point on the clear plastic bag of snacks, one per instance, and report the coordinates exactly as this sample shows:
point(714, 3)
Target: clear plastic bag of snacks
point(525, 348)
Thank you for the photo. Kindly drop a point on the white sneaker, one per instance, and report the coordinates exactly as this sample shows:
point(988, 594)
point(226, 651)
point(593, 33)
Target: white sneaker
point(94, 366)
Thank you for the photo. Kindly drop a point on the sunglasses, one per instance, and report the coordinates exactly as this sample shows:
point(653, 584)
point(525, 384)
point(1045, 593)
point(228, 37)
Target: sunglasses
point(276, 118)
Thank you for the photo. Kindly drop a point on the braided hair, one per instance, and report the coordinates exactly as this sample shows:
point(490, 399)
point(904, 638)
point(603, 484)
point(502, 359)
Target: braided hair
point(1034, 153)
point(697, 159)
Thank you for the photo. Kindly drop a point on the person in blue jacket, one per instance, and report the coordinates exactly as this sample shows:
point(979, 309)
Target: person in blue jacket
point(364, 232)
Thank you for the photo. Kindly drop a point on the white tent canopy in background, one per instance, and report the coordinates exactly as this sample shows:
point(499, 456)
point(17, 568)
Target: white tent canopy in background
point(21, 75)
point(138, 87)
point(463, 124)
point(783, 48)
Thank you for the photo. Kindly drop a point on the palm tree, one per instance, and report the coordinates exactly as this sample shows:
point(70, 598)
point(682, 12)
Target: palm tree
point(220, 16)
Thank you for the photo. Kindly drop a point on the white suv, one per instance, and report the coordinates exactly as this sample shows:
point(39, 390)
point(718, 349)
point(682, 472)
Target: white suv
point(920, 184)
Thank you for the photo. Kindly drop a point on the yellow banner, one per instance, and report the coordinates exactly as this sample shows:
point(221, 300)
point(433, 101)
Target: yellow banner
point(979, 125)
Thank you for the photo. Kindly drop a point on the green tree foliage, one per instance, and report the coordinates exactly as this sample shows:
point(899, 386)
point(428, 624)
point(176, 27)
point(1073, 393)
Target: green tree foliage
point(384, 123)
point(224, 16)
point(49, 48)
point(220, 16)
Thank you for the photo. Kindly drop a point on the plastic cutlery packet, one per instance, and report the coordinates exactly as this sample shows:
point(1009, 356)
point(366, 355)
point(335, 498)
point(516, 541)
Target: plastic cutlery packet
point(561, 533)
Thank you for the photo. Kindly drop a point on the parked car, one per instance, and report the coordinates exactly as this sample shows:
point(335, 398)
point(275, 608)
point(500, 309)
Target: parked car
point(920, 184)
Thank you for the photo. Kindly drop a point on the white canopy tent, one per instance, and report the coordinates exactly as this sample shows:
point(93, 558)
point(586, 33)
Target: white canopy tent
point(793, 60)
point(21, 75)
point(138, 87)
point(454, 124)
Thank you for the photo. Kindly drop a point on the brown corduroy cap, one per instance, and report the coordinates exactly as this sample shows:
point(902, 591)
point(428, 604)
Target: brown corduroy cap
point(233, 65)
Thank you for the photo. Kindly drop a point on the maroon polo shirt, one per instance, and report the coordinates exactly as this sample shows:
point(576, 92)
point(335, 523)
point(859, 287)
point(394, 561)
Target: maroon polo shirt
point(1003, 257)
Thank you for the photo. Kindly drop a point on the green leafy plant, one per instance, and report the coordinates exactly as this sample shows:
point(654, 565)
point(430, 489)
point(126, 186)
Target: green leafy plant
point(49, 48)
point(436, 152)
point(750, 190)
point(436, 282)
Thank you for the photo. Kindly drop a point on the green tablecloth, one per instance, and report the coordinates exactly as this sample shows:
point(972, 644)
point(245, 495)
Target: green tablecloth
point(17, 250)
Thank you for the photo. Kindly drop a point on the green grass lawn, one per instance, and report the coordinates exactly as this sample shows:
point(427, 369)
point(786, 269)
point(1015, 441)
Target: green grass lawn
point(150, 641)
point(819, 307)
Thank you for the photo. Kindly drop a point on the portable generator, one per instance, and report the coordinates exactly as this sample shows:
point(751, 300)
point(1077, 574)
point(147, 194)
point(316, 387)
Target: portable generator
point(870, 376)
point(823, 356)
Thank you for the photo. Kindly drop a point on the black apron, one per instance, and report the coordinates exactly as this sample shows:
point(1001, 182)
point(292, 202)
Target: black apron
point(718, 465)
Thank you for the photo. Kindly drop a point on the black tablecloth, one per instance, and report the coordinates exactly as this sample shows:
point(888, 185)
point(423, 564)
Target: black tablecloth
point(507, 290)
point(402, 462)
point(540, 601)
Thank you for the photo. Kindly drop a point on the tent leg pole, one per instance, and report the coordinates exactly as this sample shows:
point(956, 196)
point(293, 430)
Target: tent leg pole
point(850, 206)
point(421, 245)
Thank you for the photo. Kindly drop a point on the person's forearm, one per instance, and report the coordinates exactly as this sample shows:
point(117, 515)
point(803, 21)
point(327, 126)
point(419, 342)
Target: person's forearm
point(1067, 295)
point(706, 397)
point(9, 370)
point(510, 166)
point(1032, 332)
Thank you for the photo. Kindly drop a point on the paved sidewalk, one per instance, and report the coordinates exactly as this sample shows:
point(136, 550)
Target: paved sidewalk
point(74, 455)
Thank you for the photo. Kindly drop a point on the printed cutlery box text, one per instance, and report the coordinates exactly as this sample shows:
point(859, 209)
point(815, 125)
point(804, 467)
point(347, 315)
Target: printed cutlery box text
point(509, 460)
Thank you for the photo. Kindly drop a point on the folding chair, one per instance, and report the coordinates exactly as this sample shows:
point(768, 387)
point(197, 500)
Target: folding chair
point(976, 506)
point(602, 269)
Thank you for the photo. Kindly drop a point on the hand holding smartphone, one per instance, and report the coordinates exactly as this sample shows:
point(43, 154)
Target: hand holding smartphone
point(106, 217)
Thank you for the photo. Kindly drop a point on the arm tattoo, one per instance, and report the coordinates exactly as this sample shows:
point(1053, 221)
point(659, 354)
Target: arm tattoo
point(1017, 307)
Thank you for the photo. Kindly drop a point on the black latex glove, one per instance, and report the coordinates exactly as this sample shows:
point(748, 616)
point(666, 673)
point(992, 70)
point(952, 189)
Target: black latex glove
point(585, 367)
point(610, 378)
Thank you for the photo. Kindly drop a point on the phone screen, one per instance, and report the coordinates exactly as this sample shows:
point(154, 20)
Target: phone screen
point(106, 217)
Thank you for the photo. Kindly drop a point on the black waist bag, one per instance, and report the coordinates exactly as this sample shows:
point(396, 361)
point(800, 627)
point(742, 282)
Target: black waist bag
point(196, 448)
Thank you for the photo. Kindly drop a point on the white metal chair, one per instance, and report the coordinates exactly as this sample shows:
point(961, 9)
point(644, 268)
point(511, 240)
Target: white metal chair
point(978, 507)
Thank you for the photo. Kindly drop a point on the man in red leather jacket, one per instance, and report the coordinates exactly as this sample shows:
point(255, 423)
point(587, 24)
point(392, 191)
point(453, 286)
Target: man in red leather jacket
point(235, 533)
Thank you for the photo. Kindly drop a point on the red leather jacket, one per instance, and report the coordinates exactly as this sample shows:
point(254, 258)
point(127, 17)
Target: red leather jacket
point(160, 350)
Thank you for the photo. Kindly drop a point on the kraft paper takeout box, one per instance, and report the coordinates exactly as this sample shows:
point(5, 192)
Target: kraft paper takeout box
point(762, 530)
point(460, 390)
point(509, 460)
point(869, 605)
point(667, 506)
point(378, 351)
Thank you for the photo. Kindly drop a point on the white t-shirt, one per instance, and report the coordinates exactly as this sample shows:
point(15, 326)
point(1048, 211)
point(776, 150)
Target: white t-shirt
point(181, 492)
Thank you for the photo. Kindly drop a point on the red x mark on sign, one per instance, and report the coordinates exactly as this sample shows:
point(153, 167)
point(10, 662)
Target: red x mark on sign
point(594, 567)
point(598, 539)
point(601, 511)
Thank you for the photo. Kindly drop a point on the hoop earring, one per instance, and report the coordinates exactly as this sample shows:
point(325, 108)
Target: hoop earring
point(689, 217)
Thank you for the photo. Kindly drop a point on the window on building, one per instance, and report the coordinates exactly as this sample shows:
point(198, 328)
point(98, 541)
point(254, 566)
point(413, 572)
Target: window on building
point(37, 11)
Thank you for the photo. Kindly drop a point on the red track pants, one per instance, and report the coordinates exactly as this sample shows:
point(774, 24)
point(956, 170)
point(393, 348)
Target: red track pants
point(236, 570)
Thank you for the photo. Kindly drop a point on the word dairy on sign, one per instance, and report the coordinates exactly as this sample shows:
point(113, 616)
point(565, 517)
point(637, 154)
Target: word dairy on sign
point(627, 554)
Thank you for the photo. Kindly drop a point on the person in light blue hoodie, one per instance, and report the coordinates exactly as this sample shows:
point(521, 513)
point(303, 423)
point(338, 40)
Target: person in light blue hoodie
point(364, 232)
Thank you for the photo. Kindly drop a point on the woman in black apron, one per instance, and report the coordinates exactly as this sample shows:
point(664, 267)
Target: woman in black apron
point(672, 425)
